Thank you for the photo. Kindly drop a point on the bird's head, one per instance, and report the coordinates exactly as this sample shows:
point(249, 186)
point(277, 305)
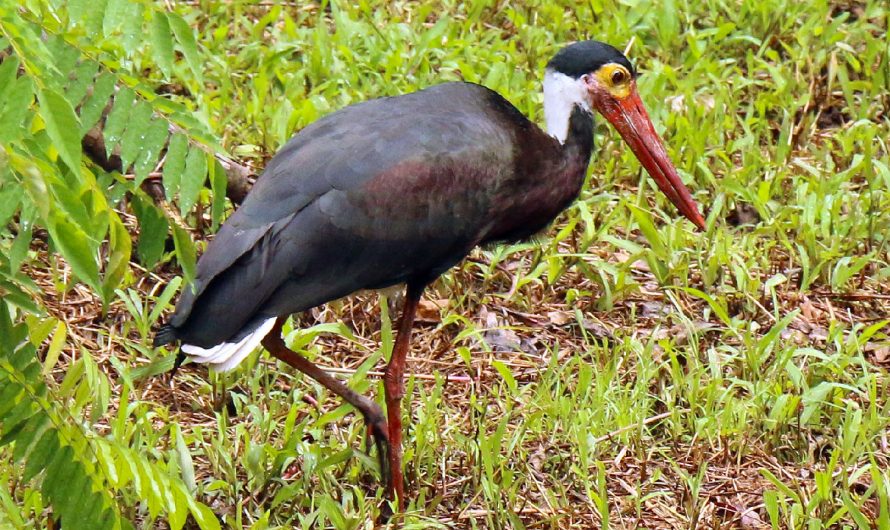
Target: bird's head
point(592, 75)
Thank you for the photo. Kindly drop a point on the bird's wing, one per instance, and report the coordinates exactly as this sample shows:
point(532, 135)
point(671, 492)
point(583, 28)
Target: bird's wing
point(401, 183)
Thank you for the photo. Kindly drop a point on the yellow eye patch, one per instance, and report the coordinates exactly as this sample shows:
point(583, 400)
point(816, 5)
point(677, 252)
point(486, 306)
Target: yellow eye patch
point(615, 78)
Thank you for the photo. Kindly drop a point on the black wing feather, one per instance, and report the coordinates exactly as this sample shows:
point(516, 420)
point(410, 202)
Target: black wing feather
point(372, 195)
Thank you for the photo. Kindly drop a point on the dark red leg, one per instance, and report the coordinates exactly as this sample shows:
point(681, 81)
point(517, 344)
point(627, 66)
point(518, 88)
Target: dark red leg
point(394, 387)
point(274, 344)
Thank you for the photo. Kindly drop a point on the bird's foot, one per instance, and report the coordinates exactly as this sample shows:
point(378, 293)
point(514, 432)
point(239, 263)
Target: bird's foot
point(379, 433)
point(386, 513)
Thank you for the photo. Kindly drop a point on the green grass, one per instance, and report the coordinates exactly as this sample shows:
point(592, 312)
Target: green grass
point(625, 371)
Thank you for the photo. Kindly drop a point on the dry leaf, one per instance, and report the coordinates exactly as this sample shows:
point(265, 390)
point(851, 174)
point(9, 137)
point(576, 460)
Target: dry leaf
point(560, 318)
point(498, 338)
point(620, 256)
point(654, 309)
point(880, 352)
point(751, 519)
point(810, 312)
point(430, 311)
point(641, 266)
point(502, 339)
point(596, 329)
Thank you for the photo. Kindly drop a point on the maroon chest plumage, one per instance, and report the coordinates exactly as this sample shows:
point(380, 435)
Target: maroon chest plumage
point(547, 177)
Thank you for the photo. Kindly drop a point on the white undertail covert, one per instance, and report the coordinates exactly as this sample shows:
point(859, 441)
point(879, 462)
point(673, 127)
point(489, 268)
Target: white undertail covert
point(227, 355)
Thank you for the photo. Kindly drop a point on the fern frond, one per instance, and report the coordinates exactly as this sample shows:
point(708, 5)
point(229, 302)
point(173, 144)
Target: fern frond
point(78, 470)
point(62, 81)
point(70, 481)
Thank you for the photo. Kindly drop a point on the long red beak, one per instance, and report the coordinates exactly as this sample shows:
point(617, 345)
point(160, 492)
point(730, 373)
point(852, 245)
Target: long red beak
point(632, 121)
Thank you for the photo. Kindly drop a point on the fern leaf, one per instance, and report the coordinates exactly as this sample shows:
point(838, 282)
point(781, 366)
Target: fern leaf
point(117, 118)
point(91, 110)
point(192, 179)
point(131, 30)
point(185, 36)
point(153, 232)
point(175, 164)
point(45, 447)
point(162, 43)
point(81, 80)
point(137, 124)
point(16, 109)
point(62, 126)
point(153, 141)
point(115, 14)
point(8, 72)
point(29, 435)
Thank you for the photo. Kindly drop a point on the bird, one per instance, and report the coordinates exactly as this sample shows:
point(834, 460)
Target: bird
point(395, 191)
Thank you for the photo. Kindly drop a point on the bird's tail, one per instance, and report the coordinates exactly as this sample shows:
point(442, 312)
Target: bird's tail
point(165, 335)
point(177, 362)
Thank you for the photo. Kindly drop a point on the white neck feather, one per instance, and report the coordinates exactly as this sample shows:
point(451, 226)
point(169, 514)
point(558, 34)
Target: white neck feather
point(561, 94)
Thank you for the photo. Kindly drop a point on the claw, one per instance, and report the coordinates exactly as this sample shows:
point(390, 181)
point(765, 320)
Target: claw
point(377, 429)
point(386, 513)
point(177, 362)
point(369, 432)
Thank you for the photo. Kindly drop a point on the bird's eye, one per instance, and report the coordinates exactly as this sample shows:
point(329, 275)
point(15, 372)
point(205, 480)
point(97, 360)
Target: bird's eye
point(618, 77)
